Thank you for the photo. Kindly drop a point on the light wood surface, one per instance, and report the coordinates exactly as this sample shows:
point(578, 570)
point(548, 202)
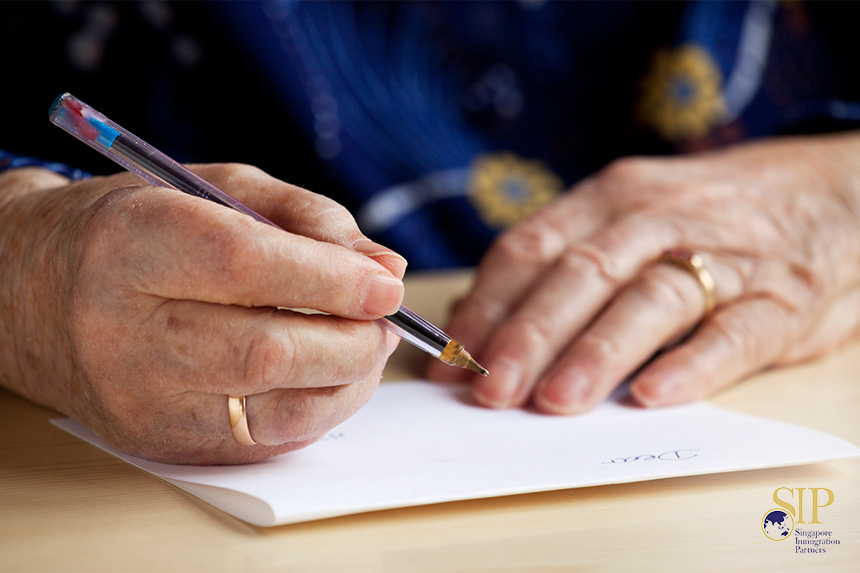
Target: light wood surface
point(67, 506)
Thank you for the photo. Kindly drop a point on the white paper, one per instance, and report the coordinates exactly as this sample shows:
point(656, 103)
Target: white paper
point(419, 443)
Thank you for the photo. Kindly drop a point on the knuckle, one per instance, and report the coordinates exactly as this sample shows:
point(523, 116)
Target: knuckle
point(709, 381)
point(626, 169)
point(329, 212)
point(530, 243)
point(705, 369)
point(339, 225)
point(600, 349)
point(655, 289)
point(362, 363)
point(582, 259)
point(799, 288)
point(478, 310)
point(522, 338)
point(269, 359)
point(109, 206)
point(231, 255)
point(107, 232)
point(740, 336)
point(236, 178)
point(527, 334)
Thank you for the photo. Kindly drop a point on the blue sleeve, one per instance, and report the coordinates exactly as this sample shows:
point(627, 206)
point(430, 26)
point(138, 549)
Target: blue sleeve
point(10, 160)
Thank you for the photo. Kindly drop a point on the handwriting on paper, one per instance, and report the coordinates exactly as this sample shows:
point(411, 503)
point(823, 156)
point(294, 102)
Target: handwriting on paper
point(667, 456)
point(335, 435)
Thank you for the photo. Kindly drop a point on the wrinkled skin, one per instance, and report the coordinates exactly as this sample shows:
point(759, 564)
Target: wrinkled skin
point(570, 303)
point(137, 309)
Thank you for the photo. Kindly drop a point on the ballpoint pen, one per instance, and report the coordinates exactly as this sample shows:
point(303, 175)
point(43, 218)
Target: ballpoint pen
point(156, 168)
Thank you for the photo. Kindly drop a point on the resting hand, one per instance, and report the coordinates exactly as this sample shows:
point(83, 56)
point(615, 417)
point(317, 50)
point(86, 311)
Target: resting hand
point(570, 303)
point(137, 310)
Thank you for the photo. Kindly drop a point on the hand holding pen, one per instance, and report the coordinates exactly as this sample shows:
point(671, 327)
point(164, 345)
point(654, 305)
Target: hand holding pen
point(129, 151)
point(167, 305)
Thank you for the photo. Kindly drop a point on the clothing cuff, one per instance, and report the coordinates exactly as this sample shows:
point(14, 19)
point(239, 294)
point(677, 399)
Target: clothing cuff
point(12, 161)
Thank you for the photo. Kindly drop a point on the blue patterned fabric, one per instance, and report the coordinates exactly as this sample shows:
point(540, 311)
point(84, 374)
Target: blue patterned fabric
point(11, 161)
point(439, 124)
point(451, 121)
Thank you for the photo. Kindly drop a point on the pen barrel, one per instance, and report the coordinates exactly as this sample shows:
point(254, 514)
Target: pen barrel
point(160, 170)
point(154, 169)
point(129, 151)
point(414, 329)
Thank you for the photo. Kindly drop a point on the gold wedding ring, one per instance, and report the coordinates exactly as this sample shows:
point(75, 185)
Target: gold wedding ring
point(695, 266)
point(239, 420)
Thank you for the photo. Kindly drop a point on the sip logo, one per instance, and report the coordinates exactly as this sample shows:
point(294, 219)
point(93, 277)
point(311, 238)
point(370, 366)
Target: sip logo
point(796, 505)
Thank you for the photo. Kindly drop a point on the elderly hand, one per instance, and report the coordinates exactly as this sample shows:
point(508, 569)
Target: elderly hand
point(137, 310)
point(572, 302)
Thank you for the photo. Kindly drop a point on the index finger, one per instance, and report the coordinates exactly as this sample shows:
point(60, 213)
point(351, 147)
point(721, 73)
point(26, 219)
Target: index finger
point(298, 210)
point(174, 246)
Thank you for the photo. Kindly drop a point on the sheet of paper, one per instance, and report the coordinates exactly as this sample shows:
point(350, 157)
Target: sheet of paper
point(419, 443)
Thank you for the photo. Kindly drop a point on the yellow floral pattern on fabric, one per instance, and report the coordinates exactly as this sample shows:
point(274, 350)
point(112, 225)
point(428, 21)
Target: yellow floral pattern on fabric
point(680, 96)
point(505, 188)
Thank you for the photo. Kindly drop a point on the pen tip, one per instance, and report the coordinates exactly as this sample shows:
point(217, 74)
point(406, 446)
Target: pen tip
point(475, 367)
point(455, 355)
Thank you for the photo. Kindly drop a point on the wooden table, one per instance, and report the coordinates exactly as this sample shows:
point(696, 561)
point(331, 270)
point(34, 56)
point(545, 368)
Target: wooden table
point(67, 506)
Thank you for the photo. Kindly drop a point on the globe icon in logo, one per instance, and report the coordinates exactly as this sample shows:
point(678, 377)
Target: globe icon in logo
point(777, 524)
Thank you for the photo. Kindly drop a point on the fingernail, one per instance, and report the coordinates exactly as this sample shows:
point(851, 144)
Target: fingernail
point(565, 392)
point(372, 249)
point(502, 387)
point(382, 296)
point(396, 262)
